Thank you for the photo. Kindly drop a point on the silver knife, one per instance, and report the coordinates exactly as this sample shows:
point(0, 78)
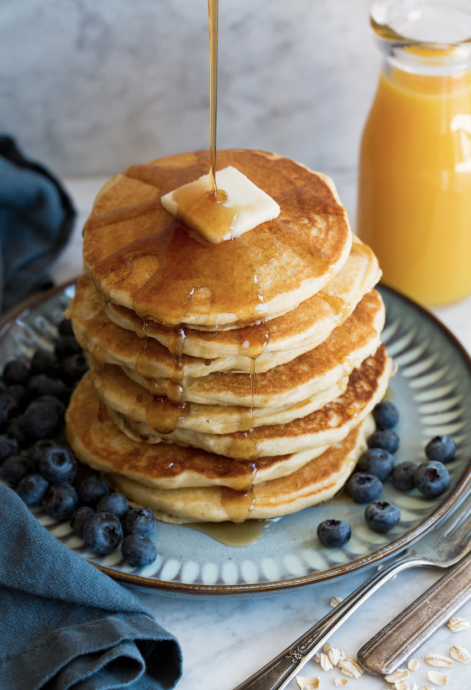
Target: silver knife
point(396, 642)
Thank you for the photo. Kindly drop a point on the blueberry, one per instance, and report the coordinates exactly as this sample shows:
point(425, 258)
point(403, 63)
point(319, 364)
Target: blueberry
point(139, 521)
point(440, 448)
point(92, 489)
point(102, 533)
point(58, 464)
point(65, 327)
point(15, 468)
point(18, 392)
point(138, 550)
point(8, 446)
point(386, 415)
point(382, 516)
point(37, 450)
point(32, 489)
point(15, 372)
point(60, 501)
point(55, 402)
point(403, 476)
point(43, 418)
point(66, 346)
point(334, 532)
point(15, 431)
point(431, 478)
point(385, 439)
point(79, 518)
point(8, 409)
point(43, 362)
point(73, 368)
point(376, 461)
point(364, 488)
point(41, 385)
point(114, 503)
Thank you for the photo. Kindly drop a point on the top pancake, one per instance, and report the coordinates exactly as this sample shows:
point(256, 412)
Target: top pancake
point(144, 259)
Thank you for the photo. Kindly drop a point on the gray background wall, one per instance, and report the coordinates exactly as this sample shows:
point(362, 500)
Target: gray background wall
point(89, 86)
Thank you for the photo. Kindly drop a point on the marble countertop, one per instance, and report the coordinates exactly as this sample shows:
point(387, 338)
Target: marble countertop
point(226, 640)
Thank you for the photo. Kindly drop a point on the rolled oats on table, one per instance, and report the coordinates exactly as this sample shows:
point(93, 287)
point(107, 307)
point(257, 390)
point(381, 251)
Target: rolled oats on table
point(438, 660)
point(437, 678)
point(457, 624)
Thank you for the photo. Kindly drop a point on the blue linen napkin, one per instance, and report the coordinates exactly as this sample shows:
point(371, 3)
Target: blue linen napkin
point(36, 219)
point(64, 624)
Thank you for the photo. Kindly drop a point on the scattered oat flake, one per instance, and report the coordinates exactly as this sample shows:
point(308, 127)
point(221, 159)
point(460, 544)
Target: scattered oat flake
point(317, 658)
point(338, 680)
point(460, 654)
point(335, 601)
point(335, 656)
point(326, 647)
point(396, 676)
point(414, 686)
point(308, 683)
point(402, 685)
point(413, 664)
point(457, 624)
point(438, 661)
point(437, 678)
point(324, 662)
point(350, 668)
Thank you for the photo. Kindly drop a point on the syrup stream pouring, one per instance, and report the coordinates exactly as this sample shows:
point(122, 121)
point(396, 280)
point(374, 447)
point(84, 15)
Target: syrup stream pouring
point(446, 545)
point(213, 14)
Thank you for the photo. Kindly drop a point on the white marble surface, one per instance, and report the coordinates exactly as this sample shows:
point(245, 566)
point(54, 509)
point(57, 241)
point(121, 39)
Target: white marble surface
point(90, 87)
point(224, 641)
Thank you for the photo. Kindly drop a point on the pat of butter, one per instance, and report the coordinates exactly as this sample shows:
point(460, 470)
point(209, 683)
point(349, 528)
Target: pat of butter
point(240, 207)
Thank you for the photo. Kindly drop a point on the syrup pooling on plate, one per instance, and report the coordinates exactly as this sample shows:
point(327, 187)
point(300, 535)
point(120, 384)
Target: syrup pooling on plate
point(231, 534)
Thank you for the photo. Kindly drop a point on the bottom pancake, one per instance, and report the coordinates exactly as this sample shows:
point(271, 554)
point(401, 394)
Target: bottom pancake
point(101, 445)
point(315, 482)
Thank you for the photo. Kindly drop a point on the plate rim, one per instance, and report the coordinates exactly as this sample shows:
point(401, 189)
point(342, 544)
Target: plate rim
point(279, 586)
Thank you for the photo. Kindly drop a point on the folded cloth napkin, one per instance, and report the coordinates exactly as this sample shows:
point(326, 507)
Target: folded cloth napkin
point(64, 624)
point(36, 219)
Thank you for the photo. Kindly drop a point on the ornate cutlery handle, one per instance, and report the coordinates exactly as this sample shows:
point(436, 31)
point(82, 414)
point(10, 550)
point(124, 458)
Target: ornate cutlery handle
point(395, 643)
point(280, 670)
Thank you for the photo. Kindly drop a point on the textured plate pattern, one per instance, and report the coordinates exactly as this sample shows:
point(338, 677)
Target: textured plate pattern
point(430, 388)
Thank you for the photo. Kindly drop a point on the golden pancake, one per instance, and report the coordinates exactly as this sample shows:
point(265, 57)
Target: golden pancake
point(317, 481)
point(101, 445)
point(129, 398)
point(144, 259)
point(329, 425)
point(302, 378)
point(288, 336)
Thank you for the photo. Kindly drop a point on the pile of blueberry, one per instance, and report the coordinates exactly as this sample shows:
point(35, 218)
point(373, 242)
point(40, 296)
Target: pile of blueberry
point(376, 465)
point(44, 471)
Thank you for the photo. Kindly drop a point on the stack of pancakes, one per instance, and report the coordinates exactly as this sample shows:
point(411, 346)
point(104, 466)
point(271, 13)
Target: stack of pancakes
point(227, 381)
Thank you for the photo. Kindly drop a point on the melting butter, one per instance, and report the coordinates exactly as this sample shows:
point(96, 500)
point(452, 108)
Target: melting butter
point(238, 207)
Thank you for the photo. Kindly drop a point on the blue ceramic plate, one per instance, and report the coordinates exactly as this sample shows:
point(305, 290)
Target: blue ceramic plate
point(432, 390)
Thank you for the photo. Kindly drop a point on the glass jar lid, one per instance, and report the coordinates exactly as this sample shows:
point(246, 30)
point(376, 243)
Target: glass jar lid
point(427, 36)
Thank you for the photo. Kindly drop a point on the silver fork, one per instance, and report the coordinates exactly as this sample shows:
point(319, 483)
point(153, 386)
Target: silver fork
point(443, 547)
